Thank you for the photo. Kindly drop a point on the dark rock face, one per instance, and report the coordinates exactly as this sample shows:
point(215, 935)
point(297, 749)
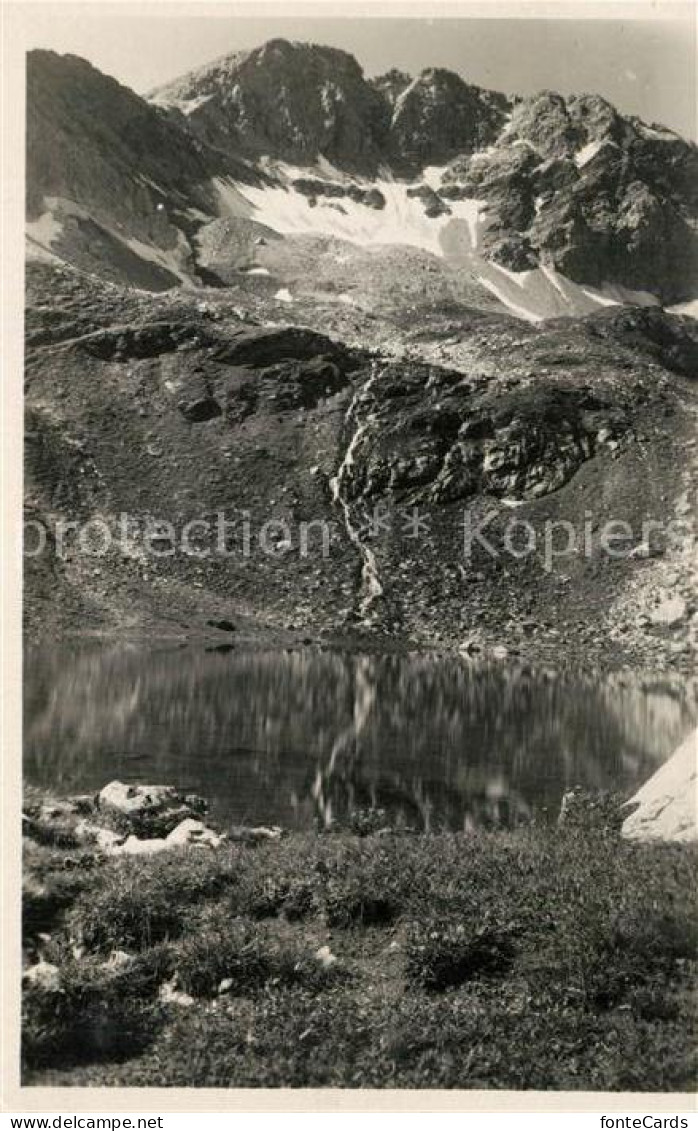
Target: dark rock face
point(439, 116)
point(504, 179)
point(599, 197)
point(671, 341)
point(88, 137)
point(260, 347)
point(434, 205)
point(290, 100)
point(514, 252)
point(430, 437)
point(200, 410)
point(312, 187)
point(122, 343)
point(323, 105)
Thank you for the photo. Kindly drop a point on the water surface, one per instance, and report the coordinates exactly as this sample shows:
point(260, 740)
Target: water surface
point(299, 737)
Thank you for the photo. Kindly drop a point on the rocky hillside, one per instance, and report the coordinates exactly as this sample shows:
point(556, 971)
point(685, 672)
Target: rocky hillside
point(552, 205)
point(174, 409)
point(111, 183)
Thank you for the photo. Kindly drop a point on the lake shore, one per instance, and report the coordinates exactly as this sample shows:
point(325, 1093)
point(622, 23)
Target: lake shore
point(556, 957)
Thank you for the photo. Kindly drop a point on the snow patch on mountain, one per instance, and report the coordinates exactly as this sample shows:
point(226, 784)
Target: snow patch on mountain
point(51, 234)
point(690, 309)
point(45, 230)
point(585, 154)
point(186, 105)
point(545, 293)
point(402, 219)
point(533, 295)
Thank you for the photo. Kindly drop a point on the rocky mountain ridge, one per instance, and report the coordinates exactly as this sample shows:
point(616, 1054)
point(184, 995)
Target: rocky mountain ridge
point(505, 191)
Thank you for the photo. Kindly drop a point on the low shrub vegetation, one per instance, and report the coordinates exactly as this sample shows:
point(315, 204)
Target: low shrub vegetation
point(541, 958)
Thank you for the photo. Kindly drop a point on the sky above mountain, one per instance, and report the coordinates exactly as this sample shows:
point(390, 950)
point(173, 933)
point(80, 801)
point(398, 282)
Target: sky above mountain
point(644, 66)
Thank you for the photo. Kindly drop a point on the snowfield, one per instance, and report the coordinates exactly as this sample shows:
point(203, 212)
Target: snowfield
point(401, 221)
point(532, 295)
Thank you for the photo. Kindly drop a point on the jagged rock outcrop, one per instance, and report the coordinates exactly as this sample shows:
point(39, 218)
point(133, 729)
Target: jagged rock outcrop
point(439, 116)
point(671, 342)
point(313, 187)
point(293, 101)
point(601, 198)
point(298, 101)
point(433, 436)
point(391, 84)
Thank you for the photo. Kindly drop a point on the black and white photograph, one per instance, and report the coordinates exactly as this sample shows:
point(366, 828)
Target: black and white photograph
point(359, 594)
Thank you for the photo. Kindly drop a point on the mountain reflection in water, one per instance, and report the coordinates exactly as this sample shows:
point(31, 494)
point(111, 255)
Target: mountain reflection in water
point(298, 737)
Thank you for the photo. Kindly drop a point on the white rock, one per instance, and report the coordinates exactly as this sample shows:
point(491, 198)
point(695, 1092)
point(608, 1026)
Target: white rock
point(118, 959)
point(193, 832)
point(189, 833)
point(683, 505)
point(103, 838)
point(170, 995)
point(44, 975)
point(325, 957)
point(134, 846)
point(670, 611)
point(666, 804)
point(133, 800)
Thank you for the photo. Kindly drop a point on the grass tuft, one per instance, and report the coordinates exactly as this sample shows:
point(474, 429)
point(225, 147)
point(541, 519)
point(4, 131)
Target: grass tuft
point(543, 958)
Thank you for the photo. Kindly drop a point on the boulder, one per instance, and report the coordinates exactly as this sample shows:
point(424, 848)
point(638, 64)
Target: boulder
point(87, 832)
point(170, 995)
point(200, 410)
point(188, 833)
point(134, 846)
point(245, 835)
point(43, 976)
point(665, 806)
point(325, 957)
point(147, 810)
point(118, 959)
point(670, 611)
point(191, 832)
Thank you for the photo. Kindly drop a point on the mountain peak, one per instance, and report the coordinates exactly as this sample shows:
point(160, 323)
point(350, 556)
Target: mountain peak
point(292, 100)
